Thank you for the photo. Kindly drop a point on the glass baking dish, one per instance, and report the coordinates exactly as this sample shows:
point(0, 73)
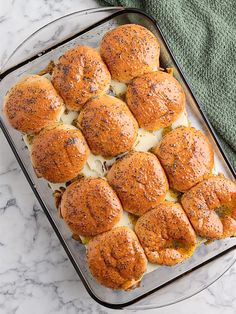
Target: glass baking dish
point(165, 285)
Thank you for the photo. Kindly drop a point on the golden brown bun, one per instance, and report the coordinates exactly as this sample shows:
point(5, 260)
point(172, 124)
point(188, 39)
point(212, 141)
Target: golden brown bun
point(186, 156)
point(156, 99)
point(59, 153)
point(79, 75)
point(108, 126)
point(211, 207)
point(116, 259)
point(89, 206)
point(139, 181)
point(166, 234)
point(129, 51)
point(32, 104)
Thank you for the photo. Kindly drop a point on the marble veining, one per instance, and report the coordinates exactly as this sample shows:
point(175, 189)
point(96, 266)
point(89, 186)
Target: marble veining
point(35, 273)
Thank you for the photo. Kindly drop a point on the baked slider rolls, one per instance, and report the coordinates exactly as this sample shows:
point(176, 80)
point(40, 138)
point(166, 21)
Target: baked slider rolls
point(79, 75)
point(32, 104)
point(211, 207)
point(89, 206)
point(129, 51)
point(116, 258)
point(139, 181)
point(166, 234)
point(59, 153)
point(156, 100)
point(108, 126)
point(186, 156)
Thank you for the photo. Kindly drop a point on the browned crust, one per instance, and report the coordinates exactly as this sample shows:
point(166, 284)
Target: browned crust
point(156, 99)
point(116, 258)
point(59, 153)
point(32, 104)
point(129, 51)
point(166, 234)
point(211, 207)
point(139, 181)
point(90, 206)
point(186, 156)
point(108, 126)
point(79, 75)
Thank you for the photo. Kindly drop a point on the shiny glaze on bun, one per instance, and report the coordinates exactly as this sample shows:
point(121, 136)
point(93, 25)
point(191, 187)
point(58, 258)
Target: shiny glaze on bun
point(139, 181)
point(79, 75)
point(156, 99)
point(211, 207)
point(108, 126)
point(116, 258)
point(129, 51)
point(166, 234)
point(59, 153)
point(186, 156)
point(32, 104)
point(90, 206)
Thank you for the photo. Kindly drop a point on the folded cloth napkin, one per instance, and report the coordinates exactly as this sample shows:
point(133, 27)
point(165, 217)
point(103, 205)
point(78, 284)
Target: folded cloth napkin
point(202, 36)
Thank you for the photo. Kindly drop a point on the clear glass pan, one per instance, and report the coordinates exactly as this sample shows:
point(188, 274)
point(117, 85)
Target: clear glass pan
point(165, 285)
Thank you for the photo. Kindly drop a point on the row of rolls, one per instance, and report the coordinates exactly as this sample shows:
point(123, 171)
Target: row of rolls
point(165, 232)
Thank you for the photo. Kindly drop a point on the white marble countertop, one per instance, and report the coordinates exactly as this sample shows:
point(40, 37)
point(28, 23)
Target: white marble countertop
point(35, 274)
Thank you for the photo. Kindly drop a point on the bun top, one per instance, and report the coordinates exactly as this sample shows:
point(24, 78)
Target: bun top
point(108, 126)
point(186, 156)
point(32, 104)
point(59, 153)
point(79, 75)
point(129, 51)
point(156, 100)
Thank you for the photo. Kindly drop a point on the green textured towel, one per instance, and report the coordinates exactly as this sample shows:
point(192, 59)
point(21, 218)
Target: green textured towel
point(202, 35)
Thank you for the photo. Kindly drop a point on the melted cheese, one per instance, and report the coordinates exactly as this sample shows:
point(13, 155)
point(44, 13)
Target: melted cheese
point(69, 116)
point(172, 196)
point(118, 87)
point(98, 164)
point(181, 121)
point(146, 140)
